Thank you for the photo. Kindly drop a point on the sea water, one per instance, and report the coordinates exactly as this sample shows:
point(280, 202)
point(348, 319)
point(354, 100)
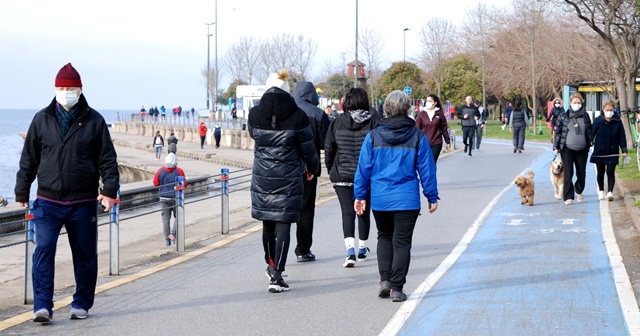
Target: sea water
point(12, 122)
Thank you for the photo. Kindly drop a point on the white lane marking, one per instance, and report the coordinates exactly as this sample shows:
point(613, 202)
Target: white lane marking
point(407, 308)
point(626, 295)
point(568, 221)
point(516, 221)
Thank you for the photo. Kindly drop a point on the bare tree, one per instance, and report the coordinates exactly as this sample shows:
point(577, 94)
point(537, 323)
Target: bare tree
point(436, 36)
point(211, 76)
point(479, 37)
point(250, 56)
point(266, 63)
point(234, 62)
point(372, 46)
point(617, 22)
point(302, 52)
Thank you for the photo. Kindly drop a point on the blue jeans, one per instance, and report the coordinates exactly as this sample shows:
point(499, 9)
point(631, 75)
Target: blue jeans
point(158, 152)
point(82, 228)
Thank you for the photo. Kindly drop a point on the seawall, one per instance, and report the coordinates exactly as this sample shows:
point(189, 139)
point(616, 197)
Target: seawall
point(231, 138)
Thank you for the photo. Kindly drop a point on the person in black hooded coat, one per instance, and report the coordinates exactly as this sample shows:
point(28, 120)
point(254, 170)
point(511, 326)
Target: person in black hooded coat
point(608, 140)
point(284, 149)
point(306, 98)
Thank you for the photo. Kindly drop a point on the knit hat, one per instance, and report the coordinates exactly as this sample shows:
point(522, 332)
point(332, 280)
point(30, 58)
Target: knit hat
point(171, 161)
point(68, 77)
point(279, 79)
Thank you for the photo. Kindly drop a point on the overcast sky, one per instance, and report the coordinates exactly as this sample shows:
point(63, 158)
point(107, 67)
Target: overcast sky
point(134, 52)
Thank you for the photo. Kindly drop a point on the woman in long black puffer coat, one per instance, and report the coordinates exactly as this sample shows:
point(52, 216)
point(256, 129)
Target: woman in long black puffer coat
point(284, 150)
point(608, 140)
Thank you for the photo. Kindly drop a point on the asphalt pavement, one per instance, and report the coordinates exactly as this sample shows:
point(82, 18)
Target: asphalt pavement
point(483, 264)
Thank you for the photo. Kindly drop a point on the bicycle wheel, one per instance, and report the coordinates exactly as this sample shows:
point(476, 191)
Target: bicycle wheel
point(638, 153)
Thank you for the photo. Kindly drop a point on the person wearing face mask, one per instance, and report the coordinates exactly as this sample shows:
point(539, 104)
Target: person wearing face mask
point(572, 140)
point(432, 122)
point(608, 140)
point(553, 115)
point(69, 150)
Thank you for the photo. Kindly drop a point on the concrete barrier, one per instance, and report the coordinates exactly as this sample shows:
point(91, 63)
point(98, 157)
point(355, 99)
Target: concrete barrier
point(231, 138)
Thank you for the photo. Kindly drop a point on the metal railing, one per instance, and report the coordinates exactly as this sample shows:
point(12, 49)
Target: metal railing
point(123, 210)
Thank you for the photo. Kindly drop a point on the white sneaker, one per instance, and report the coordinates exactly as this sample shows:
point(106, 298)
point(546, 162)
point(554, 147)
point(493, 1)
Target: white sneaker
point(601, 195)
point(568, 202)
point(610, 196)
point(580, 198)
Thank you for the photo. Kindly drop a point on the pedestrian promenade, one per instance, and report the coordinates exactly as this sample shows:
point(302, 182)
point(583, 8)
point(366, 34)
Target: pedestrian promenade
point(141, 239)
point(483, 264)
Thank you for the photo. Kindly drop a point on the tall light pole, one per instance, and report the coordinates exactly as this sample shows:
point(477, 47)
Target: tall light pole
point(208, 64)
point(215, 89)
point(355, 73)
point(404, 44)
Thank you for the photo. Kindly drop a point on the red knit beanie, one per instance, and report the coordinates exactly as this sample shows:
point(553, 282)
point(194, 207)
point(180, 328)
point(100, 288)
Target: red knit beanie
point(68, 77)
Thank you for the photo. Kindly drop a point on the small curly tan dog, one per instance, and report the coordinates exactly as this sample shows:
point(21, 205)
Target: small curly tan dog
point(526, 188)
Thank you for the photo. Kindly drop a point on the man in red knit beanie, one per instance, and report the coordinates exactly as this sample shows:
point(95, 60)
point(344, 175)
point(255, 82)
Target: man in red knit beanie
point(68, 148)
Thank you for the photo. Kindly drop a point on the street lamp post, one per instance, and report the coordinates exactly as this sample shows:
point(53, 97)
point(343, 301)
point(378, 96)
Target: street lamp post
point(215, 90)
point(355, 73)
point(208, 64)
point(404, 44)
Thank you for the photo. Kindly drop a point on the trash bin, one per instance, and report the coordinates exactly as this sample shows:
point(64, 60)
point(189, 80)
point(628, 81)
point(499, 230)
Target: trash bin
point(244, 127)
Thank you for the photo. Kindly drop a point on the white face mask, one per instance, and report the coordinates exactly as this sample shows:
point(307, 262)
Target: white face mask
point(428, 105)
point(67, 98)
point(576, 107)
point(608, 115)
point(557, 105)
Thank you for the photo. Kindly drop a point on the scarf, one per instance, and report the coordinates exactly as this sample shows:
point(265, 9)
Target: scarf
point(573, 115)
point(360, 116)
point(65, 118)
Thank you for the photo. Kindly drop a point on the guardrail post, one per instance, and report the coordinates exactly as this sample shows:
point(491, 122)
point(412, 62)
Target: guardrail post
point(224, 179)
point(114, 238)
point(28, 255)
point(180, 213)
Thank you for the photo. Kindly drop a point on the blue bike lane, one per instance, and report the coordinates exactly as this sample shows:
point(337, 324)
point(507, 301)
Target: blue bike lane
point(539, 270)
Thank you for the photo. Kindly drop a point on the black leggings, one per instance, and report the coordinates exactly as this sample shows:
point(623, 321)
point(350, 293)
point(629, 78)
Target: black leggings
point(467, 136)
point(435, 150)
point(611, 177)
point(275, 240)
point(345, 196)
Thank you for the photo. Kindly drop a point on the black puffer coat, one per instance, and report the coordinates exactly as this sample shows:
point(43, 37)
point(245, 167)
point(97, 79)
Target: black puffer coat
point(608, 138)
point(342, 146)
point(562, 128)
point(553, 115)
point(68, 168)
point(283, 145)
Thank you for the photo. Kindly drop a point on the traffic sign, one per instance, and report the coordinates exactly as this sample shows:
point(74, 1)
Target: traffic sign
point(407, 90)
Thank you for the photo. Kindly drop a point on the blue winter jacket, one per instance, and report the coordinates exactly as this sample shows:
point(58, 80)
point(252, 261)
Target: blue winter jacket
point(392, 156)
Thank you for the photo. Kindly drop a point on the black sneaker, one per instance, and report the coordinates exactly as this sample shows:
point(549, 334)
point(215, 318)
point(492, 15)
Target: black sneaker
point(465, 148)
point(307, 257)
point(277, 286)
point(350, 261)
point(385, 289)
point(362, 254)
point(398, 296)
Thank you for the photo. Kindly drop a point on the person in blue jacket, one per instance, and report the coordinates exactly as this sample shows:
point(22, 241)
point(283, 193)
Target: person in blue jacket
point(394, 160)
